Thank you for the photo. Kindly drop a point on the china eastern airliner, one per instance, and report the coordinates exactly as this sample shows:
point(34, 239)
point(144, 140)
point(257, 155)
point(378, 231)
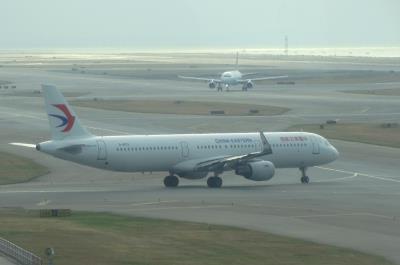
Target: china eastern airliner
point(232, 78)
point(254, 155)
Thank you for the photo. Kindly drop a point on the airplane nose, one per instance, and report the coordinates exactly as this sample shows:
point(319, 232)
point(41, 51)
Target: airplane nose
point(335, 153)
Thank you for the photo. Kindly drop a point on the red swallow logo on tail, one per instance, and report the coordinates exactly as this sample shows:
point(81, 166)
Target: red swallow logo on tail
point(68, 120)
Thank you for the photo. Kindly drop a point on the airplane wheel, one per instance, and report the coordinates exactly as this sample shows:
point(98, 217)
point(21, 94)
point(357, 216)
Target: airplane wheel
point(305, 180)
point(214, 182)
point(171, 181)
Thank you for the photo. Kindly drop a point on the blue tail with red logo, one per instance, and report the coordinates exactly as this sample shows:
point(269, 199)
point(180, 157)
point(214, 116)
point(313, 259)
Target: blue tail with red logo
point(63, 121)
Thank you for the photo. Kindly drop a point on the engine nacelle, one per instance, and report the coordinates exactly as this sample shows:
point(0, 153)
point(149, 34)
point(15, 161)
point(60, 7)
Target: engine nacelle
point(257, 171)
point(249, 84)
point(212, 84)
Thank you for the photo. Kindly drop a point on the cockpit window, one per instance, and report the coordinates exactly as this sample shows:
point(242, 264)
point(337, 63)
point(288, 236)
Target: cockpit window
point(227, 75)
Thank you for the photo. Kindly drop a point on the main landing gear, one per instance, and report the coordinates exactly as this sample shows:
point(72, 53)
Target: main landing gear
point(304, 178)
point(171, 181)
point(214, 182)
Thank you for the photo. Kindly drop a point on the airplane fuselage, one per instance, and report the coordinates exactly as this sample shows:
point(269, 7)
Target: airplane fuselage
point(255, 156)
point(231, 78)
point(143, 153)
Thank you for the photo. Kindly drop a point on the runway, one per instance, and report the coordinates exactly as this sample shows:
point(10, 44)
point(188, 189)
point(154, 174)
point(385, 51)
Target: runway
point(353, 202)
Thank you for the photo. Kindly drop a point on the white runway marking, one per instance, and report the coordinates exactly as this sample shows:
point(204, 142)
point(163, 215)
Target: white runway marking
point(338, 179)
point(365, 110)
point(43, 119)
point(107, 130)
point(355, 174)
point(152, 203)
point(344, 214)
point(183, 207)
point(43, 203)
point(50, 191)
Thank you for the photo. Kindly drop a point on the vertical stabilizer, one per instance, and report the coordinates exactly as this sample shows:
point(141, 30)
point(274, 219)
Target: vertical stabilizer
point(63, 121)
point(237, 61)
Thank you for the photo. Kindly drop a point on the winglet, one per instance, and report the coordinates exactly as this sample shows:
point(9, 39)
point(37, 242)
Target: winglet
point(265, 144)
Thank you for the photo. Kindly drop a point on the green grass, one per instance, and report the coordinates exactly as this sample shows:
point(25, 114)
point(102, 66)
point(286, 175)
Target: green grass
point(180, 107)
point(16, 169)
point(355, 132)
point(102, 238)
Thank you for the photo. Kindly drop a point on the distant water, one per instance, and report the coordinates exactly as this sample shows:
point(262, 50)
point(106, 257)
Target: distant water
point(318, 51)
point(351, 51)
point(321, 51)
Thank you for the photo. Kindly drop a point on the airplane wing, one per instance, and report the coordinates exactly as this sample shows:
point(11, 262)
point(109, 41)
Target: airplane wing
point(247, 74)
point(199, 78)
point(263, 78)
point(223, 162)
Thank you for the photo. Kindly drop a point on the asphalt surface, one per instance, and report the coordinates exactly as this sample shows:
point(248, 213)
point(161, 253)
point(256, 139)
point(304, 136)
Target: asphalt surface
point(353, 202)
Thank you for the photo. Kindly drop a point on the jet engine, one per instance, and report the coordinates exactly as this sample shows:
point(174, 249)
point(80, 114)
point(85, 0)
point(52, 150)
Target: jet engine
point(211, 84)
point(257, 170)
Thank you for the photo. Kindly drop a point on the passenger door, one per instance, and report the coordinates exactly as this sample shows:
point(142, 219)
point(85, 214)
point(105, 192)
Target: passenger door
point(101, 150)
point(315, 146)
point(185, 149)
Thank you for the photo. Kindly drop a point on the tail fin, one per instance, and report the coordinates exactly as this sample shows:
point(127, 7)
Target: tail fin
point(63, 121)
point(237, 61)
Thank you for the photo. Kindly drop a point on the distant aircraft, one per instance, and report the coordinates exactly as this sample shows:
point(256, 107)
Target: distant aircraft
point(192, 156)
point(231, 78)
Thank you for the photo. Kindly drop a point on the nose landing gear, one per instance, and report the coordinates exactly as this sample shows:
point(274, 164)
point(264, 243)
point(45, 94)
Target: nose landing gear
point(304, 178)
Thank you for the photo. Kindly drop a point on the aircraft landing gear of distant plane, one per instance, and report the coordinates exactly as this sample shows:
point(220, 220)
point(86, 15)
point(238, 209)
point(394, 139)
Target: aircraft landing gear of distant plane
point(227, 88)
point(304, 178)
point(214, 182)
point(219, 87)
point(171, 181)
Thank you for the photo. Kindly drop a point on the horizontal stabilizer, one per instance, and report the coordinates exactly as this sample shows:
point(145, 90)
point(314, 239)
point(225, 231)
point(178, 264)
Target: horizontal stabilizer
point(24, 145)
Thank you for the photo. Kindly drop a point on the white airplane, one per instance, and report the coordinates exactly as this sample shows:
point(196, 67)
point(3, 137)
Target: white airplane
point(231, 78)
point(192, 156)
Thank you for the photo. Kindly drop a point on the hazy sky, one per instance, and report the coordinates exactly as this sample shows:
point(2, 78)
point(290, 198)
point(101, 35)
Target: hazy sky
point(201, 23)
